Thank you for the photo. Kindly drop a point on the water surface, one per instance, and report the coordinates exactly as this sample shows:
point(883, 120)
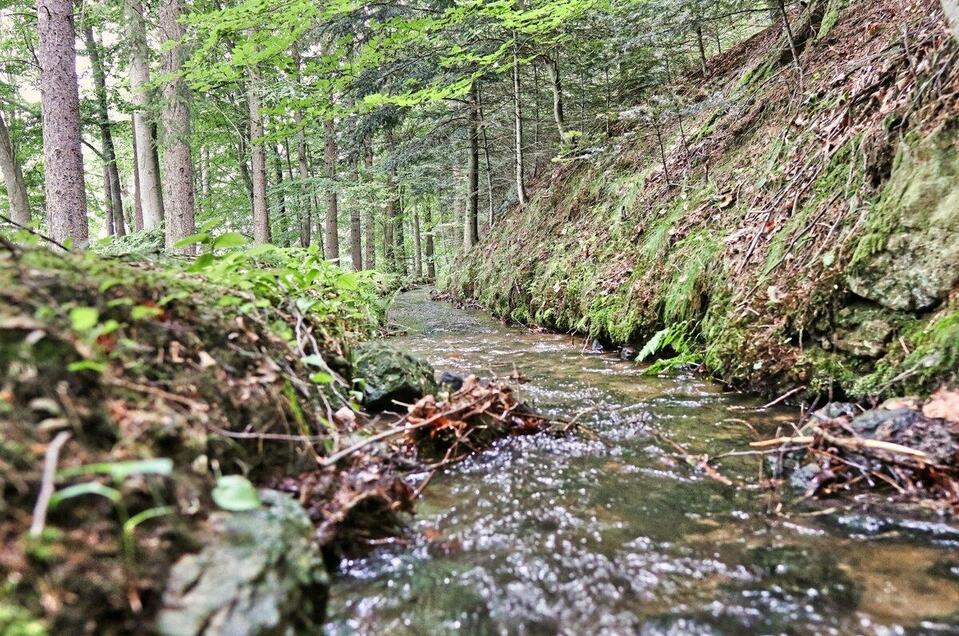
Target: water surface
point(619, 534)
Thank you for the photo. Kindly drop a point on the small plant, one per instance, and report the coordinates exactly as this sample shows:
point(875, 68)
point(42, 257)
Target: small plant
point(118, 472)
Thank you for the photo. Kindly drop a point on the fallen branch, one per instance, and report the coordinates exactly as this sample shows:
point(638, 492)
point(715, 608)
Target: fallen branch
point(50, 459)
point(850, 443)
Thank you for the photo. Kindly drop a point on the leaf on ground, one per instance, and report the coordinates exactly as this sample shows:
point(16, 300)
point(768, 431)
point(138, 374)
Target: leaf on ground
point(235, 493)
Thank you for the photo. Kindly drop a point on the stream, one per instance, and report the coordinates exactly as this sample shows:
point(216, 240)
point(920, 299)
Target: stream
point(619, 534)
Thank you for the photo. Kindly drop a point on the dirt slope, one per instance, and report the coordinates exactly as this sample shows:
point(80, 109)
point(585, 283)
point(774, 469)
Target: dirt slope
point(803, 230)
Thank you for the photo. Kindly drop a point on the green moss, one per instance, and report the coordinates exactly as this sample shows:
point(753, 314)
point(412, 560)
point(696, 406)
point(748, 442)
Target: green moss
point(831, 17)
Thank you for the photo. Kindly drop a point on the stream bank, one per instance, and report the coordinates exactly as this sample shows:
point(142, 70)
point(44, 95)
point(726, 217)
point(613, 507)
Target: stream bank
point(799, 233)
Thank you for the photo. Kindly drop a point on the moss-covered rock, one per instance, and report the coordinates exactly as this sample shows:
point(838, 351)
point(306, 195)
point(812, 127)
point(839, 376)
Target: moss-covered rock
point(386, 373)
point(909, 261)
point(260, 573)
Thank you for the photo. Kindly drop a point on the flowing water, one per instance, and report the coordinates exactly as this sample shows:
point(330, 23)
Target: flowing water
point(619, 534)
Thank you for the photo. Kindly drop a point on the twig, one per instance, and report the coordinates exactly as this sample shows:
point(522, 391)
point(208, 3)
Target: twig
point(46, 485)
point(34, 232)
point(851, 443)
point(784, 396)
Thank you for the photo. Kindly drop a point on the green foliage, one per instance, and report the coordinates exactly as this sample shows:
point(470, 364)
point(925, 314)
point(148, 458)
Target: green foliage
point(235, 493)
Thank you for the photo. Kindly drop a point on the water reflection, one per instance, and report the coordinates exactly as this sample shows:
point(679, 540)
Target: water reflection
point(617, 535)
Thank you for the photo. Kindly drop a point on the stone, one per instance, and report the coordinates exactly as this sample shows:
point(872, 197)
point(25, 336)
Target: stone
point(259, 574)
point(388, 373)
point(868, 340)
point(918, 266)
point(628, 353)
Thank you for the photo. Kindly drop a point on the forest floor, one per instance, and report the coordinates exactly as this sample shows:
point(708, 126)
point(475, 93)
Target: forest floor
point(796, 233)
point(147, 404)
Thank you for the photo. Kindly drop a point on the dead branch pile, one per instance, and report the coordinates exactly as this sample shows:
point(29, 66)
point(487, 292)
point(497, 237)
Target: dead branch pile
point(906, 445)
point(472, 417)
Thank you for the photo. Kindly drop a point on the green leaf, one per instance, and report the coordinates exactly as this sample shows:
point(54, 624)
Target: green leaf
point(193, 239)
point(145, 515)
point(84, 318)
point(202, 262)
point(321, 377)
point(235, 493)
point(230, 239)
point(86, 488)
point(119, 471)
point(86, 365)
point(313, 361)
point(305, 304)
point(145, 311)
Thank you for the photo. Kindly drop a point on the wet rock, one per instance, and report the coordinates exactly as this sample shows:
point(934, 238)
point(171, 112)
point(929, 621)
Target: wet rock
point(390, 374)
point(868, 340)
point(910, 428)
point(260, 574)
point(918, 263)
point(451, 381)
point(628, 353)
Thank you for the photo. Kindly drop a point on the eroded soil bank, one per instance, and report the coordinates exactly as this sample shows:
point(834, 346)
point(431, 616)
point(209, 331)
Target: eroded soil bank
point(624, 532)
point(799, 231)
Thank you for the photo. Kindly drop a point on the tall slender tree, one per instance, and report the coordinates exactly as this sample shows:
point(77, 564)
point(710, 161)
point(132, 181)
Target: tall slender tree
point(177, 153)
point(13, 178)
point(261, 213)
point(60, 97)
point(106, 131)
point(151, 203)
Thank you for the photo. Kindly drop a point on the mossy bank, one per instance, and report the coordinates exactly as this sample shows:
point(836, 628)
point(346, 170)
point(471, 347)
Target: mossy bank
point(798, 229)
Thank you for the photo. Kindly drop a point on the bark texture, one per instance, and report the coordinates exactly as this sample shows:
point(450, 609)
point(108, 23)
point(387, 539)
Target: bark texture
point(149, 179)
point(261, 214)
point(63, 159)
point(332, 203)
point(13, 178)
point(471, 233)
point(177, 155)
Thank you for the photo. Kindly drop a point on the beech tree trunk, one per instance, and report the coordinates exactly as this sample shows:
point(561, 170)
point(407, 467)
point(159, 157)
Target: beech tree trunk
point(389, 260)
point(418, 246)
point(370, 221)
point(356, 231)
point(261, 214)
point(137, 199)
point(332, 203)
point(177, 156)
point(430, 263)
point(305, 210)
point(150, 197)
point(13, 178)
point(518, 132)
point(471, 233)
point(60, 102)
point(399, 232)
point(107, 201)
point(106, 131)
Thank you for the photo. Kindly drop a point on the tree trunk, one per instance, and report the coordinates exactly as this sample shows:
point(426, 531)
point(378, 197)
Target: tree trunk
point(13, 178)
point(399, 233)
point(332, 203)
point(177, 155)
point(106, 131)
point(486, 154)
point(430, 264)
point(370, 221)
point(471, 233)
point(552, 67)
point(261, 214)
point(305, 210)
point(280, 216)
point(150, 201)
point(205, 175)
point(137, 198)
point(389, 261)
point(62, 155)
point(518, 132)
point(107, 201)
point(418, 245)
point(701, 45)
point(356, 231)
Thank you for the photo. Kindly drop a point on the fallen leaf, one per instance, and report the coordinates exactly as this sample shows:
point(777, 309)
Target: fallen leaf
point(944, 405)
